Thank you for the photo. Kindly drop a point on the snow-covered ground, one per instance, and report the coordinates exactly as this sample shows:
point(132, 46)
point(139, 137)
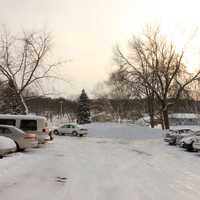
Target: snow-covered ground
point(123, 131)
point(106, 168)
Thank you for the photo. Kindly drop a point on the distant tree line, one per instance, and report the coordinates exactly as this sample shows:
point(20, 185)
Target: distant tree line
point(54, 106)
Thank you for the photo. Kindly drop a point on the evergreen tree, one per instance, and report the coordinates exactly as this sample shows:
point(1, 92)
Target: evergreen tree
point(83, 115)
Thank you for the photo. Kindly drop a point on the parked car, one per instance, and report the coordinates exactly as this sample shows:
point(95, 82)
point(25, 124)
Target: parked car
point(28, 123)
point(183, 133)
point(174, 136)
point(6, 146)
point(170, 136)
point(71, 129)
point(187, 142)
point(196, 144)
point(22, 140)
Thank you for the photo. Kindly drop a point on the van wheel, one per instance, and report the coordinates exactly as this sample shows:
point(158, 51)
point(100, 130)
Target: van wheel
point(56, 132)
point(74, 133)
point(80, 135)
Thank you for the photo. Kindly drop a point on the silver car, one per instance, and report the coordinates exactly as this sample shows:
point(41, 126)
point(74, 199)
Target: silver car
point(71, 129)
point(6, 146)
point(23, 140)
point(196, 144)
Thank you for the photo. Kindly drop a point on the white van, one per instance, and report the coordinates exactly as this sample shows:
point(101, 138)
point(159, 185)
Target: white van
point(28, 123)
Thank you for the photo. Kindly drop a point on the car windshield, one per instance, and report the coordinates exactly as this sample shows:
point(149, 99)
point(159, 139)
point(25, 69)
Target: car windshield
point(197, 133)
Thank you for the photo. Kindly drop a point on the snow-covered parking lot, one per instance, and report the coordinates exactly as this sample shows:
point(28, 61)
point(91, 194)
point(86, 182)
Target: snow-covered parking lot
point(139, 167)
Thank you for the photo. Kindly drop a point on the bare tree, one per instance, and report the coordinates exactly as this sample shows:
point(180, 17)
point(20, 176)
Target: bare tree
point(23, 63)
point(156, 63)
point(134, 89)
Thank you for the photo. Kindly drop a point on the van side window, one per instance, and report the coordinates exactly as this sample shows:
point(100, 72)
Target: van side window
point(11, 122)
point(28, 125)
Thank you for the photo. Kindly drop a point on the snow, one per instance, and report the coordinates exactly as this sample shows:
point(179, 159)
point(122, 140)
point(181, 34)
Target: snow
point(125, 131)
point(184, 116)
point(193, 128)
point(31, 116)
point(105, 165)
point(144, 121)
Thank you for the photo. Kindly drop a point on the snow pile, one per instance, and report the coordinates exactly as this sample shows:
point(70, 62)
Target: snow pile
point(123, 131)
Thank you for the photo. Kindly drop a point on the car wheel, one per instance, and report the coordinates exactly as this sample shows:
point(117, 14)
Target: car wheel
point(74, 133)
point(51, 135)
point(18, 148)
point(190, 147)
point(56, 132)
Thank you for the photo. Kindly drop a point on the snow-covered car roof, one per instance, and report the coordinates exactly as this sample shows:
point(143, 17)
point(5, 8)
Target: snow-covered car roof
point(8, 116)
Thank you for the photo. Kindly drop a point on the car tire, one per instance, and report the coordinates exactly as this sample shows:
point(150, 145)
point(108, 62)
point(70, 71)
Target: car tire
point(51, 135)
point(74, 133)
point(18, 148)
point(56, 132)
point(190, 147)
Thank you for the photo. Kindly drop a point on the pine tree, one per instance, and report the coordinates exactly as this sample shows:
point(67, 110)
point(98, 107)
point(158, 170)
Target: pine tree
point(83, 115)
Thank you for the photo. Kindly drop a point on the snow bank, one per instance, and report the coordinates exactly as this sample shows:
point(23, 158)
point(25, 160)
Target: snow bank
point(123, 131)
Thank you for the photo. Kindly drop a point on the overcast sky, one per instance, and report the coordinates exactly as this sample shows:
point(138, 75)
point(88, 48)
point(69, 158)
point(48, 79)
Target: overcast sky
point(85, 31)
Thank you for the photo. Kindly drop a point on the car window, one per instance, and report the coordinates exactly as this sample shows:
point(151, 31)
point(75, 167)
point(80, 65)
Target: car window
point(4, 130)
point(68, 126)
point(1, 130)
point(7, 131)
point(28, 125)
point(73, 126)
point(11, 122)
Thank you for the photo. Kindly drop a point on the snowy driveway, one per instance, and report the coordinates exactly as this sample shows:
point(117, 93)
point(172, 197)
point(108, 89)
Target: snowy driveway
point(101, 169)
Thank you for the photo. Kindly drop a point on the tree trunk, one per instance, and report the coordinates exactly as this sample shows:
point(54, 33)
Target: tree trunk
point(24, 104)
point(150, 105)
point(161, 121)
point(152, 120)
point(165, 118)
